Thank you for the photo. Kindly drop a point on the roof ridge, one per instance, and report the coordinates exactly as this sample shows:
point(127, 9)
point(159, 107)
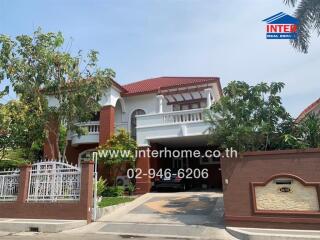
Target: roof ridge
point(154, 78)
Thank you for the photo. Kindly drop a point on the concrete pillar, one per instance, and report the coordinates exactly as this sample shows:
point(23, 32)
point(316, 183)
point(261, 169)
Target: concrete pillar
point(24, 183)
point(86, 193)
point(143, 184)
point(107, 118)
point(208, 96)
point(160, 101)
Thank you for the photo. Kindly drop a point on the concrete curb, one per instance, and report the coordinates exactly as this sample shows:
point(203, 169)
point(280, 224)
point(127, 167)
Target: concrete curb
point(39, 225)
point(110, 209)
point(272, 234)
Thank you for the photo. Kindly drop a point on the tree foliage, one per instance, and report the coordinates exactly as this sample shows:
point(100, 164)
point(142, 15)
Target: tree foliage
point(121, 152)
point(39, 68)
point(310, 130)
point(308, 13)
point(21, 138)
point(250, 118)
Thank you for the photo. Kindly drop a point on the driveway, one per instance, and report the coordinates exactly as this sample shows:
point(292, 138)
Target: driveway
point(179, 215)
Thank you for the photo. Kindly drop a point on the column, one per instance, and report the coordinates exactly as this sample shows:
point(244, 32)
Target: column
point(107, 118)
point(143, 184)
point(86, 193)
point(160, 100)
point(24, 183)
point(208, 96)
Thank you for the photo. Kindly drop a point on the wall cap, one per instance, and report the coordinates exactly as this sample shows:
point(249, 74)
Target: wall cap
point(280, 152)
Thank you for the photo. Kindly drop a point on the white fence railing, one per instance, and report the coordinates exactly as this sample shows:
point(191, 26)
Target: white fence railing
point(9, 185)
point(54, 181)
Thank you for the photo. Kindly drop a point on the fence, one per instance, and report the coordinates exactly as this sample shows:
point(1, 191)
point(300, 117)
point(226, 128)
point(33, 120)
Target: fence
point(54, 181)
point(47, 190)
point(9, 185)
point(272, 189)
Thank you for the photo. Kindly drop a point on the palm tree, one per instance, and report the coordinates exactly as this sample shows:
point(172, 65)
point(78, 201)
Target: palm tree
point(308, 13)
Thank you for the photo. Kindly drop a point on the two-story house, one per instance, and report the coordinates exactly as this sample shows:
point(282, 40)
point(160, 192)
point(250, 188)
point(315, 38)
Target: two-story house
point(163, 112)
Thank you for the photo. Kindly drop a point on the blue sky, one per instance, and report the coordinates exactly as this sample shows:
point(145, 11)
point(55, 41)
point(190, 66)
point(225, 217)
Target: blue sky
point(148, 38)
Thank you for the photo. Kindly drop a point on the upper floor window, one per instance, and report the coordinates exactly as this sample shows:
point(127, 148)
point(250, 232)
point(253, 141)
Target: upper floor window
point(133, 122)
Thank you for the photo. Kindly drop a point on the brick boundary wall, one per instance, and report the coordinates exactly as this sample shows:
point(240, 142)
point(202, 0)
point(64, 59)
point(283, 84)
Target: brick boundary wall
point(239, 175)
point(69, 210)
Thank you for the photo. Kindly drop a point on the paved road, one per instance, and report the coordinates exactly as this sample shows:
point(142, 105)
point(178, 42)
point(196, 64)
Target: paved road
point(74, 236)
point(193, 215)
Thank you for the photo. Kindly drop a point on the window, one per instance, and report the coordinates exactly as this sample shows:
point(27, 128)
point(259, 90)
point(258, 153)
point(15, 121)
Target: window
point(133, 122)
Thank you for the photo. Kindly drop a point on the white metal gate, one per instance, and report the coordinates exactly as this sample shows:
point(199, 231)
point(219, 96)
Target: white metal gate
point(54, 181)
point(9, 185)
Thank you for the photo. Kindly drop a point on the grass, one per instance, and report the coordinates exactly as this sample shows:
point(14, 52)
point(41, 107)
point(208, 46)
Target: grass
point(109, 201)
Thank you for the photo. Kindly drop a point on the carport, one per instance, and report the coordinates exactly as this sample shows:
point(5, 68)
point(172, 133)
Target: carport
point(186, 145)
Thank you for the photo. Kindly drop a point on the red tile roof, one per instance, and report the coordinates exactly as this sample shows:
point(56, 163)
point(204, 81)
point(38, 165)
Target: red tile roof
point(308, 109)
point(155, 84)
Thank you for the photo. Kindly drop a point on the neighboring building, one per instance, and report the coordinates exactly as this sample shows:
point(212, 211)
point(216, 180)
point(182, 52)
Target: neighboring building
point(312, 108)
point(158, 112)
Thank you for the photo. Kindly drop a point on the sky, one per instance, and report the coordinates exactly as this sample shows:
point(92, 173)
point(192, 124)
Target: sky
point(142, 39)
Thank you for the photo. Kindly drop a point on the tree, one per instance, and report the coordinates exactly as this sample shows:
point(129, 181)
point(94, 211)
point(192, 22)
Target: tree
point(16, 138)
point(39, 69)
point(118, 153)
point(249, 118)
point(308, 13)
point(310, 128)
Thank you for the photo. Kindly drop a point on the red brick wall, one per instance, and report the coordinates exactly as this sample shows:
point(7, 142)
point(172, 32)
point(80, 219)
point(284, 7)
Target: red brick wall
point(77, 210)
point(259, 167)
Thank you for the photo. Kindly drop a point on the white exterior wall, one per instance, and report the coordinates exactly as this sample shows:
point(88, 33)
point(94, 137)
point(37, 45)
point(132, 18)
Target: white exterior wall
point(148, 103)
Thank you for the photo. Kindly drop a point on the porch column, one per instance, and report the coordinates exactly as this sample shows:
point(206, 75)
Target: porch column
point(160, 100)
point(106, 130)
point(143, 184)
point(107, 119)
point(208, 96)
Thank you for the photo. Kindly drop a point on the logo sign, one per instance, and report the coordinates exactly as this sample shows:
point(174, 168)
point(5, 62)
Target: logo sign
point(285, 189)
point(281, 26)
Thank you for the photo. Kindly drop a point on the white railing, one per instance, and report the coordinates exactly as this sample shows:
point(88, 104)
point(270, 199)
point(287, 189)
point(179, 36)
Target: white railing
point(9, 185)
point(183, 116)
point(54, 181)
point(92, 127)
point(175, 117)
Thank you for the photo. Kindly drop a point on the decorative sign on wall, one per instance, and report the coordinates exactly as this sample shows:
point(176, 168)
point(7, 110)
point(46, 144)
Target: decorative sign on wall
point(285, 194)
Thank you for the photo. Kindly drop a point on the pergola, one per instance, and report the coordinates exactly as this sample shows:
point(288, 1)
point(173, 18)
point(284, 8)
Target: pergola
point(185, 94)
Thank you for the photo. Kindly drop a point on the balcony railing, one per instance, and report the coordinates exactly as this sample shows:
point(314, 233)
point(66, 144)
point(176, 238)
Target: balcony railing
point(170, 125)
point(92, 135)
point(167, 118)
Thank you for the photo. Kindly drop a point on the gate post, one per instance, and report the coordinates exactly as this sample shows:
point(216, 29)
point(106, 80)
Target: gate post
point(24, 183)
point(86, 192)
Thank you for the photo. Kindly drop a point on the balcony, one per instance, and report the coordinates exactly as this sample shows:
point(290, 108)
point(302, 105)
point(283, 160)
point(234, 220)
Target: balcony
point(170, 125)
point(92, 135)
